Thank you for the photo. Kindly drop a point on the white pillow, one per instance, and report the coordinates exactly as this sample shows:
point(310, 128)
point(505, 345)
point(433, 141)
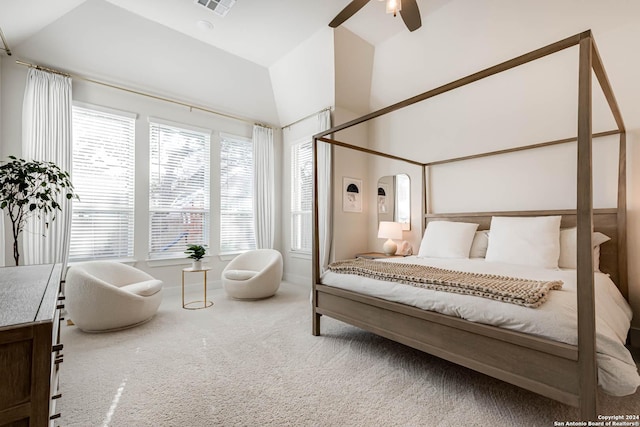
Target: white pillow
point(596, 259)
point(479, 244)
point(531, 241)
point(569, 252)
point(144, 289)
point(239, 274)
point(447, 239)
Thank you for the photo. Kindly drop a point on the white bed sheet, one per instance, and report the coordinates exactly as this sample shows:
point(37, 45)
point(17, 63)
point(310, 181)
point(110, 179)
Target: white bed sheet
point(556, 319)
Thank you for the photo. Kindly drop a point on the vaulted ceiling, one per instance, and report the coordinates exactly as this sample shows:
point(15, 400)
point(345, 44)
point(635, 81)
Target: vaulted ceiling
point(257, 30)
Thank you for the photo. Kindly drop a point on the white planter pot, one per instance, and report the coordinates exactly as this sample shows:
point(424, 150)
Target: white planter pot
point(196, 265)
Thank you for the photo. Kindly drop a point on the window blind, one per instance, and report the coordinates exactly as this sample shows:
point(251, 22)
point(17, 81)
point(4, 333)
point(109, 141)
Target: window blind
point(301, 196)
point(178, 189)
point(103, 176)
point(236, 195)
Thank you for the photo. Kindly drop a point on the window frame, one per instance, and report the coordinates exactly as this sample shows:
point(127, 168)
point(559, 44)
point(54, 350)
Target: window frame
point(296, 184)
point(124, 251)
point(236, 250)
point(205, 211)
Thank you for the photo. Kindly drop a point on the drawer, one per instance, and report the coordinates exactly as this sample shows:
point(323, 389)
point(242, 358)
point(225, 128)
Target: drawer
point(57, 357)
point(30, 351)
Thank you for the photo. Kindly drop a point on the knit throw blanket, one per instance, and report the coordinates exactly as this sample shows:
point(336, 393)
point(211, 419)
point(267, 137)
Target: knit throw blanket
point(525, 292)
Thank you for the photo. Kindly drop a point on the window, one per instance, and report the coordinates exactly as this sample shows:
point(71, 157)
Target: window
point(301, 196)
point(103, 176)
point(236, 194)
point(178, 189)
point(403, 199)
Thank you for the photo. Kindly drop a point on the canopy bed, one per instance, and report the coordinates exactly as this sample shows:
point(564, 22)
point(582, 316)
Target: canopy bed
point(562, 368)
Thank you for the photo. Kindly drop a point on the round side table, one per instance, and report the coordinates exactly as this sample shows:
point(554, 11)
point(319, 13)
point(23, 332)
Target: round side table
point(204, 302)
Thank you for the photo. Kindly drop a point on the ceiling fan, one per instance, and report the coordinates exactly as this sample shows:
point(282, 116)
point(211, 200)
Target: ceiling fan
point(408, 10)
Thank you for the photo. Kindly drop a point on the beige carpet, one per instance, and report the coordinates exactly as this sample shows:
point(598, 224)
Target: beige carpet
point(256, 364)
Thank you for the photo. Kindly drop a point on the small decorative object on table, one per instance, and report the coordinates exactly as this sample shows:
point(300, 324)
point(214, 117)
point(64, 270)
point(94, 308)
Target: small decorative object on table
point(405, 248)
point(196, 253)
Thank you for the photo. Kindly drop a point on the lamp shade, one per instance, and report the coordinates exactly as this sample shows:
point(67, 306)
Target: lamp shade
point(390, 230)
point(394, 6)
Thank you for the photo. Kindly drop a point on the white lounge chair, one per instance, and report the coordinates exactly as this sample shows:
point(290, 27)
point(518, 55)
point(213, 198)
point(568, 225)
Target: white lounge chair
point(253, 275)
point(106, 295)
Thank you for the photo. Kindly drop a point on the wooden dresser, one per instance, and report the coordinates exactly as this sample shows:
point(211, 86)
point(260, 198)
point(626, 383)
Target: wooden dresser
point(30, 352)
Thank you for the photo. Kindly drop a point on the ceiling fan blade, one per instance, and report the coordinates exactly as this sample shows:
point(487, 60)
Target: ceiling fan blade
point(347, 12)
point(411, 14)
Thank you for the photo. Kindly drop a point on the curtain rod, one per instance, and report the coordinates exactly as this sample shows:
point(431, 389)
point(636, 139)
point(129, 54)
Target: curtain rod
point(307, 117)
point(160, 98)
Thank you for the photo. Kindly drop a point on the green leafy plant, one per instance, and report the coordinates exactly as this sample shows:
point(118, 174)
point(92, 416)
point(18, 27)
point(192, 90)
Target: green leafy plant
point(196, 252)
point(31, 188)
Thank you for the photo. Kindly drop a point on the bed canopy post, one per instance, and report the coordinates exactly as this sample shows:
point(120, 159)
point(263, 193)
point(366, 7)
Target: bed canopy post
point(315, 263)
point(622, 216)
point(585, 275)
point(426, 194)
point(605, 84)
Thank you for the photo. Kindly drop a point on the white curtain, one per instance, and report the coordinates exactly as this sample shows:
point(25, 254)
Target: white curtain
point(325, 223)
point(46, 136)
point(264, 187)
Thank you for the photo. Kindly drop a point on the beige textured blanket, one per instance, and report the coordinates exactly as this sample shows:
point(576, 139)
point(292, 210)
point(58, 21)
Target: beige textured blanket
point(525, 292)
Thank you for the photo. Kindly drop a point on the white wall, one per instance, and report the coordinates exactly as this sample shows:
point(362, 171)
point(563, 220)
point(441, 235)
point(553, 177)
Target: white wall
point(354, 61)
point(12, 82)
point(350, 228)
point(531, 104)
point(303, 84)
point(544, 178)
point(2, 156)
point(303, 80)
point(353, 70)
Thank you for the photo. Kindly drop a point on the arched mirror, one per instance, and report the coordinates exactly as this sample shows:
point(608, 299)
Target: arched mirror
point(394, 199)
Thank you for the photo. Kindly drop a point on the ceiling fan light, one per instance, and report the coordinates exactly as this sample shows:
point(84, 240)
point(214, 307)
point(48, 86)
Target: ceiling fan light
point(394, 6)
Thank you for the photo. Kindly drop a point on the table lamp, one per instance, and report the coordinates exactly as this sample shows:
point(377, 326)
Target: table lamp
point(390, 230)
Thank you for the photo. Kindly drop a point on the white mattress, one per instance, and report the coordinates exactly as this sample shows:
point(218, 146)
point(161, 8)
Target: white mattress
point(556, 319)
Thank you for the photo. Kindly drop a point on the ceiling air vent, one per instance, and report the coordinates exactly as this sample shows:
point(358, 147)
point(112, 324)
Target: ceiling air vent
point(220, 7)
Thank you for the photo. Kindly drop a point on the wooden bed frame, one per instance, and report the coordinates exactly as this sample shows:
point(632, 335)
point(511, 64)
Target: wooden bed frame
point(566, 373)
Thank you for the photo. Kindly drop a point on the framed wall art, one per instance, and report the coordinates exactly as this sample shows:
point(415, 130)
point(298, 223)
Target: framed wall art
point(351, 194)
point(383, 198)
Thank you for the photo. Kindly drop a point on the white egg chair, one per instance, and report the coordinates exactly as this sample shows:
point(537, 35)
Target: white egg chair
point(253, 274)
point(106, 295)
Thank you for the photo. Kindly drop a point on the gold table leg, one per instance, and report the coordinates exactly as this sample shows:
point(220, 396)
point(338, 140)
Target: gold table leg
point(205, 303)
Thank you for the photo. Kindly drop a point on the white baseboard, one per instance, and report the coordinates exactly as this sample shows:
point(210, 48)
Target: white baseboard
point(297, 279)
point(634, 335)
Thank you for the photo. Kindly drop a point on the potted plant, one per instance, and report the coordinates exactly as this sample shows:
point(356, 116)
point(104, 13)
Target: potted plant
point(31, 188)
point(196, 253)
